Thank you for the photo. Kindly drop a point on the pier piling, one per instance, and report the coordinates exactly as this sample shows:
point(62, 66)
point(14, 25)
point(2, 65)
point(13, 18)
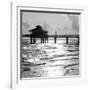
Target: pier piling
point(67, 38)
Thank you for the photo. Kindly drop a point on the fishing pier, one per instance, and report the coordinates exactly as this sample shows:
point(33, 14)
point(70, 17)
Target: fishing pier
point(38, 32)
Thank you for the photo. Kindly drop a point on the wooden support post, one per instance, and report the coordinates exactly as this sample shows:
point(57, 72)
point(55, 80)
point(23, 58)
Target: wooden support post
point(41, 40)
point(31, 40)
point(55, 39)
point(47, 39)
point(78, 40)
point(34, 40)
point(67, 40)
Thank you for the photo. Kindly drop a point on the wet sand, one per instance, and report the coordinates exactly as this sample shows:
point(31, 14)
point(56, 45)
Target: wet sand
point(50, 60)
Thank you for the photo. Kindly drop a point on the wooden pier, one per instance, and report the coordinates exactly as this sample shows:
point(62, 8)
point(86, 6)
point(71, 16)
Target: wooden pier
point(45, 40)
point(38, 32)
point(67, 37)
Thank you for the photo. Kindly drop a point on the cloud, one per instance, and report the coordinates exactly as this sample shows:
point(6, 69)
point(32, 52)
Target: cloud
point(50, 28)
point(26, 25)
point(75, 21)
point(62, 23)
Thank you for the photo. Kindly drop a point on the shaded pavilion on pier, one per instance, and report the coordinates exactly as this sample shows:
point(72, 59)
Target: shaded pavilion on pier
point(38, 32)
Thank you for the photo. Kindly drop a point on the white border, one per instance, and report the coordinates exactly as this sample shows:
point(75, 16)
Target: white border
point(16, 82)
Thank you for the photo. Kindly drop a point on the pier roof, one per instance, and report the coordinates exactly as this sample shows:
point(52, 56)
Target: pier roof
point(38, 32)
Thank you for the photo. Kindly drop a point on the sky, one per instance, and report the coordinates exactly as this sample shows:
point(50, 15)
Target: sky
point(60, 23)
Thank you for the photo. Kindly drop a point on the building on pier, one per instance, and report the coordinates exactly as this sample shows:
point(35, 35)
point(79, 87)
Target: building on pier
point(38, 32)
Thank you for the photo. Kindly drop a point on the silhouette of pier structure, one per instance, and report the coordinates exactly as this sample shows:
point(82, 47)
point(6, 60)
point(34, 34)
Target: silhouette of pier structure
point(38, 32)
point(67, 37)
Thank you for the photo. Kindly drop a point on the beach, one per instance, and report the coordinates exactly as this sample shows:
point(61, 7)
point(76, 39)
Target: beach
point(49, 59)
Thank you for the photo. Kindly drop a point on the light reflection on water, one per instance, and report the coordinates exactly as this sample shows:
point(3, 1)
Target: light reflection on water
point(50, 59)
